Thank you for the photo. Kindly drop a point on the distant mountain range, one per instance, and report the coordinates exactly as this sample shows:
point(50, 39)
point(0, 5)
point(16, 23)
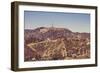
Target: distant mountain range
point(43, 33)
point(41, 42)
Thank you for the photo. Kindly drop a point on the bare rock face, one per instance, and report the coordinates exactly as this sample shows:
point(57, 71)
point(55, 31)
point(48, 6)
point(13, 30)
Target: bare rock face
point(56, 50)
point(55, 44)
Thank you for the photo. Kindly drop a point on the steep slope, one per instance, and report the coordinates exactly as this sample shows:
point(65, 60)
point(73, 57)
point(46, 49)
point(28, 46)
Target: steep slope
point(55, 43)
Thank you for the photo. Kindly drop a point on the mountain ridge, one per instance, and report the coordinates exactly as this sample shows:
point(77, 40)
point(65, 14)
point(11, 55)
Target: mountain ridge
point(43, 33)
point(42, 43)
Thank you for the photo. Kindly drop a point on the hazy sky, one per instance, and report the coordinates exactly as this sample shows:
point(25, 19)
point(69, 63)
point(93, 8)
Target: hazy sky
point(76, 22)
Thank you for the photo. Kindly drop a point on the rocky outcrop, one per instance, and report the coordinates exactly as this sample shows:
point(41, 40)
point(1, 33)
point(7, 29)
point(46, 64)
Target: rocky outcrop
point(56, 44)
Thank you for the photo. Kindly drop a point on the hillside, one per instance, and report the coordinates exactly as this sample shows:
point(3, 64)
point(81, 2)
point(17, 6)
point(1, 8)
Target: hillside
point(55, 43)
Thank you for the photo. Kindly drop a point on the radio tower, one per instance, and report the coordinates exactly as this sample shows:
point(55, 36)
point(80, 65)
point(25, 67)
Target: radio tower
point(52, 25)
point(52, 32)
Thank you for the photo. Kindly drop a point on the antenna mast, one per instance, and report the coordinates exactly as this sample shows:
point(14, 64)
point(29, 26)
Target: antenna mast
point(52, 32)
point(52, 25)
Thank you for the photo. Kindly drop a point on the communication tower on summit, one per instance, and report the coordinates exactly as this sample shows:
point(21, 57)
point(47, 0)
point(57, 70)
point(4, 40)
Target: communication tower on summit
point(52, 31)
point(52, 26)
